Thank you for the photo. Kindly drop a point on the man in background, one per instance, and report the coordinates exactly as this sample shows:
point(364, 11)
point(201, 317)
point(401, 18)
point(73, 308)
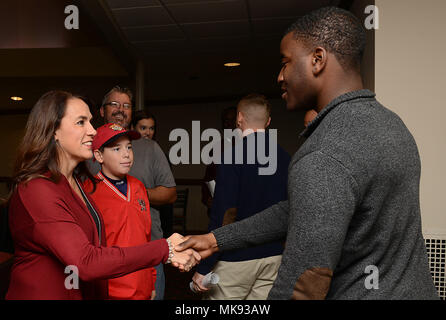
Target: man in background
point(240, 192)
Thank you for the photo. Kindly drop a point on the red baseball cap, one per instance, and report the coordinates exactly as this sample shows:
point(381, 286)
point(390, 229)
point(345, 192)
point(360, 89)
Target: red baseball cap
point(110, 132)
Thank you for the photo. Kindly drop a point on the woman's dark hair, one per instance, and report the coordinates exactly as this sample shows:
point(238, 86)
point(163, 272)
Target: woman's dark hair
point(140, 115)
point(37, 154)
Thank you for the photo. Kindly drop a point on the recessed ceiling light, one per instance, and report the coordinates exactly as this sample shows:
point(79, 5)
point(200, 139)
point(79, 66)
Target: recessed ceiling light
point(231, 64)
point(15, 98)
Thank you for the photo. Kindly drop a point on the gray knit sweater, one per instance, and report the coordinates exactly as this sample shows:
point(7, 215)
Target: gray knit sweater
point(353, 202)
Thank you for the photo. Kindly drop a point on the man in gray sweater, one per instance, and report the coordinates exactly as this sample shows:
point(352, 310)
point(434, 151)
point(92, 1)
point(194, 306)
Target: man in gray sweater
point(352, 220)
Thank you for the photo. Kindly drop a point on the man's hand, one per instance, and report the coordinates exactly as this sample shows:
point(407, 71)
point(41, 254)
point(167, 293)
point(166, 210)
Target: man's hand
point(197, 282)
point(205, 244)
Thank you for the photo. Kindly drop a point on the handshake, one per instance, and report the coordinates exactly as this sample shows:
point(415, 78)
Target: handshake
point(189, 250)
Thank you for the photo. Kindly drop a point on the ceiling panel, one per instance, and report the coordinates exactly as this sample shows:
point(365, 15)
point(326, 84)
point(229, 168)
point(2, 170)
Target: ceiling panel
point(283, 8)
point(224, 44)
point(217, 29)
point(131, 3)
point(274, 26)
point(142, 17)
point(211, 11)
point(204, 2)
point(161, 47)
point(168, 32)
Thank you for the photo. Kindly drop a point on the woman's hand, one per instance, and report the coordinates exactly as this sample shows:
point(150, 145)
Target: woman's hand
point(183, 260)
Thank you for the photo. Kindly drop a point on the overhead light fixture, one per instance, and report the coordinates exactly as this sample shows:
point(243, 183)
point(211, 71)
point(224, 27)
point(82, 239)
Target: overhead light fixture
point(231, 64)
point(15, 98)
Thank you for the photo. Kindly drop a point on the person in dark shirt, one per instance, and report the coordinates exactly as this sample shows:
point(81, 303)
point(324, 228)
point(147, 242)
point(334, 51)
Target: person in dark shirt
point(242, 191)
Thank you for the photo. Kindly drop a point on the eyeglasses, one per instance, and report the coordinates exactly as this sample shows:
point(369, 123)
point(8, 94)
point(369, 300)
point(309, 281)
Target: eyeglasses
point(117, 105)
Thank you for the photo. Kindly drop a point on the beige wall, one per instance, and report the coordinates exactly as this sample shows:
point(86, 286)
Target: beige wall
point(410, 72)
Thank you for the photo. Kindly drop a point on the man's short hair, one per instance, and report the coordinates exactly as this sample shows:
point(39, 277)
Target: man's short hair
point(255, 107)
point(336, 30)
point(119, 89)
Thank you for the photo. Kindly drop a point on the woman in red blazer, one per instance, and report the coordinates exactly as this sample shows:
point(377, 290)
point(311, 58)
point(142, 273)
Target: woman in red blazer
point(58, 233)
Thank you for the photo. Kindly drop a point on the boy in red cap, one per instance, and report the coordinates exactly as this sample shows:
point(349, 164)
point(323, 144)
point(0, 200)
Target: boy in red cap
point(123, 202)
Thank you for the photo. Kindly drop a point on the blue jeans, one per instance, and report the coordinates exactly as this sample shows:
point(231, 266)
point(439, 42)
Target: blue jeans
point(160, 282)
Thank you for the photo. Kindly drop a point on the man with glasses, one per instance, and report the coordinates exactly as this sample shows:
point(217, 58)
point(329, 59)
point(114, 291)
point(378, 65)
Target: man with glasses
point(117, 106)
point(150, 166)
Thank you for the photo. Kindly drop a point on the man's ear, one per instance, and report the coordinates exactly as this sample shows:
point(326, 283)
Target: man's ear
point(98, 156)
point(101, 111)
point(318, 60)
point(268, 122)
point(239, 119)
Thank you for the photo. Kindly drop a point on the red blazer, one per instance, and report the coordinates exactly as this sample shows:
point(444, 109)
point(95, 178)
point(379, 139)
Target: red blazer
point(52, 229)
